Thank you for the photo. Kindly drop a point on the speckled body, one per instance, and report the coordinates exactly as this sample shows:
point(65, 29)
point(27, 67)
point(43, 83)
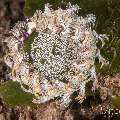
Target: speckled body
point(63, 55)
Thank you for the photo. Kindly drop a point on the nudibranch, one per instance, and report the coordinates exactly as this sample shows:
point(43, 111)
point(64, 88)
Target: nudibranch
point(63, 54)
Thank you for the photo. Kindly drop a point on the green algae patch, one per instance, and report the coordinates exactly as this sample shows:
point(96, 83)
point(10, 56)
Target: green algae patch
point(27, 45)
point(29, 41)
point(13, 95)
point(116, 102)
point(32, 5)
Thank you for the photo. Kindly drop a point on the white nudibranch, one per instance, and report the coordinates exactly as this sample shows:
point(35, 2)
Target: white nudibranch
point(63, 54)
